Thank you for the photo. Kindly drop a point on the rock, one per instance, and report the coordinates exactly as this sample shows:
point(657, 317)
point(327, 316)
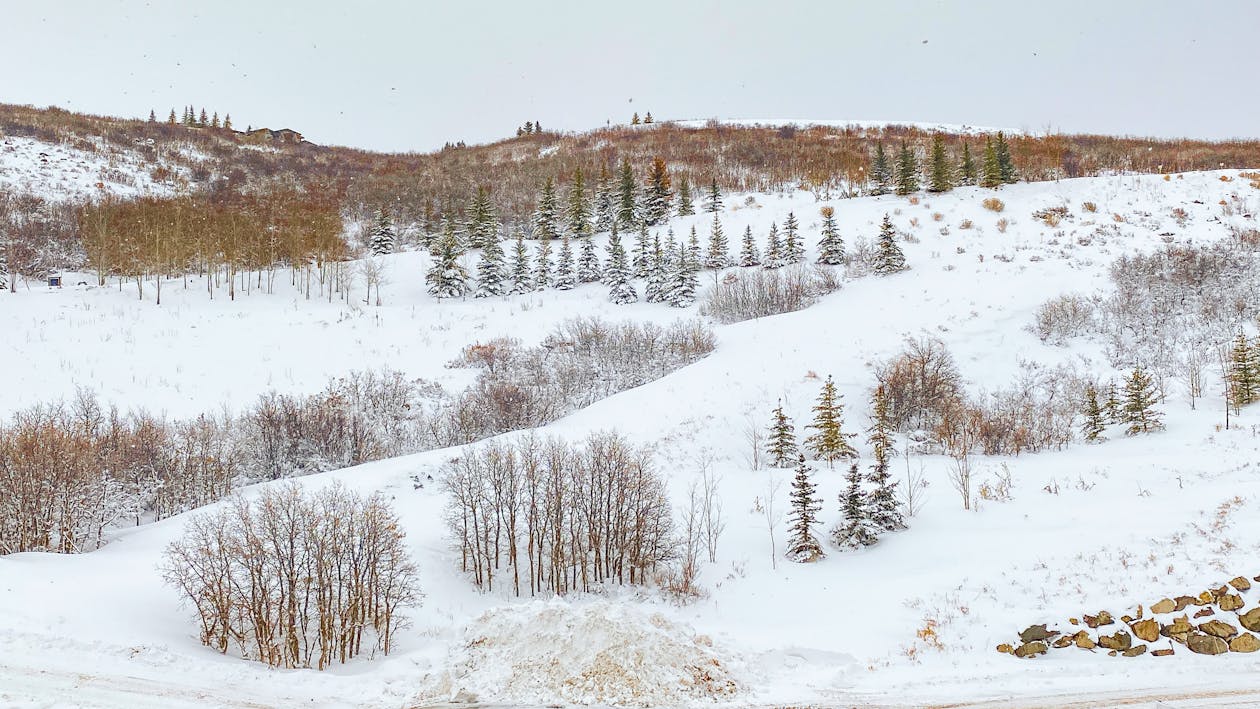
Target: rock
point(1111, 653)
point(1139, 612)
point(1206, 644)
point(1231, 602)
point(1241, 583)
point(1204, 613)
point(1219, 628)
point(1006, 648)
point(1205, 598)
point(1182, 602)
point(1178, 629)
point(1084, 642)
point(1218, 592)
point(1035, 647)
point(1135, 651)
point(1062, 641)
point(1095, 621)
point(1036, 632)
point(1120, 640)
point(1166, 605)
point(1127, 619)
point(1147, 630)
point(1163, 653)
point(1244, 643)
point(1251, 620)
point(1256, 579)
point(1074, 621)
point(464, 696)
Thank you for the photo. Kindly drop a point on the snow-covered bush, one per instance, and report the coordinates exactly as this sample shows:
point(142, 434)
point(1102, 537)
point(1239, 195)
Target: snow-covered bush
point(1064, 317)
point(755, 293)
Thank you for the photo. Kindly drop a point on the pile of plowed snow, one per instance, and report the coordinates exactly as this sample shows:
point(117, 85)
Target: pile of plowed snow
point(584, 653)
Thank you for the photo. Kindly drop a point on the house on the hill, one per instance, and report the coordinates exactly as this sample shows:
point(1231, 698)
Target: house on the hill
point(266, 135)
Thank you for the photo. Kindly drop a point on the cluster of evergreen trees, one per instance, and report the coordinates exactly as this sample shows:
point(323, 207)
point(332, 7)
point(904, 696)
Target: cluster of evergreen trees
point(530, 128)
point(904, 173)
point(868, 505)
point(1136, 410)
point(192, 119)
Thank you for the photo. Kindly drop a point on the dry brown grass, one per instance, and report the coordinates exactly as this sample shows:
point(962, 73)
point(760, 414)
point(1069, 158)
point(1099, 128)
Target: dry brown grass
point(993, 204)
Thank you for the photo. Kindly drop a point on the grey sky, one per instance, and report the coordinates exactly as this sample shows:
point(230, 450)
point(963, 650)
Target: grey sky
point(413, 75)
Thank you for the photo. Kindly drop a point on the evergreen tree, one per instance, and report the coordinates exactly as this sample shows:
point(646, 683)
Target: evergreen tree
point(718, 257)
point(227, 121)
point(1139, 404)
point(565, 277)
point(152, 116)
point(545, 228)
point(882, 509)
point(713, 202)
point(856, 530)
point(686, 206)
point(693, 247)
point(684, 279)
point(749, 254)
point(941, 178)
point(588, 270)
point(214, 120)
point(829, 442)
point(647, 117)
point(446, 277)
point(967, 169)
point(4, 270)
point(627, 198)
point(171, 119)
point(617, 274)
point(1094, 424)
point(782, 442)
point(542, 265)
point(1006, 166)
point(830, 246)
point(881, 171)
point(991, 173)
point(579, 215)
point(657, 287)
point(383, 239)
point(1111, 408)
point(634, 120)
point(642, 257)
point(889, 259)
point(603, 202)
point(522, 278)
point(656, 193)
point(202, 122)
point(1244, 372)
point(774, 249)
point(793, 248)
point(490, 275)
point(907, 171)
point(483, 223)
point(803, 546)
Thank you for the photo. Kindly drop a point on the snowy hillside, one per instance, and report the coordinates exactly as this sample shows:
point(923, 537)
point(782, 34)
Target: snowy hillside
point(62, 171)
point(911, 621)
point(955, 128)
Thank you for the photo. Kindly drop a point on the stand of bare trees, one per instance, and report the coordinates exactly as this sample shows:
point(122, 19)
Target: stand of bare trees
point(296, 579)
point(547, 516)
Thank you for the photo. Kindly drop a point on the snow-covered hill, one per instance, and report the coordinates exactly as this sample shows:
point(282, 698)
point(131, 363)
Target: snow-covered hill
point(61, 171)
point(954, 128)
point(910, 621)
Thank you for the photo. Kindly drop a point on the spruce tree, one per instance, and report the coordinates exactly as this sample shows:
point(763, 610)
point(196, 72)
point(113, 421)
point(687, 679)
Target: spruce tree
point(171, 118)
point(803, 546)
point(967, 168)
point(483, 223)
point(856, 530)
point(565, 277)
point(490, 275)
point(152, 116)
point(656, 193)
point(782, 442)
point(793, 248)
point(907, 171)
point(1244, 373)
point(882, 508)
point(830, 246)
point(641, 261)
point(521, 272)
point(684, 279)
point(888, 258)
point(383, 241)
point(579, 216)
point(686, 206)
point(446, 277)
point(588, 270)
point(634, 120)
point(749, 254)
point(1111, 408)
point(227, 121)
point(627, 198)
point(1139, 404)
point(1093, 426)
point(1006, 166)
point(941, 178)
point(881, 171)
point(774, 249)
point(657, 286)
point(617, 274)
point(604, 213)
point(717, 258)
point(829, 442)
point(991, 170)
point(693, 247)
point(713, 202)
point(542, 276)
point(202, 122)
point(214, 120)
point(545, 228)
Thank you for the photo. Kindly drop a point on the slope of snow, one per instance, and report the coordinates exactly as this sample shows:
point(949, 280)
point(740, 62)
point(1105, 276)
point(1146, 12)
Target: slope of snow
point(961, 129)
point(1133, 519)
point(61, 171)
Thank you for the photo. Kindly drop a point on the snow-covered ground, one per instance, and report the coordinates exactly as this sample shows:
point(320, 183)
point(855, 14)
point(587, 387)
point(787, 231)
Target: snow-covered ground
point(63, 171)
point(958, 128)
point(1133, 519)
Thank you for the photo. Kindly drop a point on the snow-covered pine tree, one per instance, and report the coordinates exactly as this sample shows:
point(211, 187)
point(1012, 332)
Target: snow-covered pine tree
point(1244, 373)
point(713, 202)
point(490, 275)
point(447, 277)
point(940, 177)
point(545, 228)
point(656, 193)
point(967, 168)
point(882, 509)
point(627, 198)
point(781, 445)
point(449, 232)
point(803, 546)
point(483, 224)
point(617, 274)
point(831, 245)
point(693, 248)
point(4, 263)
point(680, 291)
point(1139, 404)
point(641, 257)
point(718, 258)
point(1093, 426)
point(856, 530)
point(588, 270)
point(907, 171)
point(1111, 407)
point(657, 285)
point(888, 257)
point(774, 249)
point(604, 212)
point(542, 276)
point(579, 208)
point(793, 247)
point(686, 205)
point(881, 171)
point(1006, 166)
point(991, 169)
point(565, 277)
point(749, 254)
point(829, 442)
point(522, 280)
point(383, 240)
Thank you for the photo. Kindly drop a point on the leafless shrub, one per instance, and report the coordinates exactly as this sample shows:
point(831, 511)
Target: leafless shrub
point(1001, 225)
point(921, 384)
point(756, 293)
point(1089, 207)
point(1064, 317)
point(993, 204)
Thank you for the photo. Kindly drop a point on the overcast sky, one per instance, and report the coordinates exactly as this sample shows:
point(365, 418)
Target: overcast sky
point(414, 75)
